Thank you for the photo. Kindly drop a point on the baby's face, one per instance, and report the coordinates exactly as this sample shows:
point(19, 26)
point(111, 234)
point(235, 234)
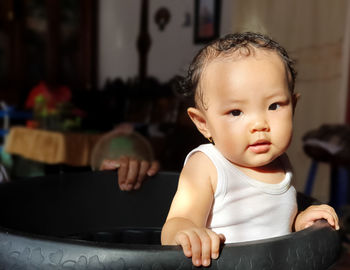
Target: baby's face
point(249, 108)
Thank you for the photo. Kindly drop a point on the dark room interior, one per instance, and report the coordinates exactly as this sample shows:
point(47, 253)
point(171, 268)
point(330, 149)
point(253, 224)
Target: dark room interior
point(77, 75)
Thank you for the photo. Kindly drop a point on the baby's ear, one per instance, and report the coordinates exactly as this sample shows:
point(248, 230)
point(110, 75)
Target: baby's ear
point(198, 118)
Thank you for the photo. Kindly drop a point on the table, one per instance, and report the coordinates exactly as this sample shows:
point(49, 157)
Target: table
point(51, 147)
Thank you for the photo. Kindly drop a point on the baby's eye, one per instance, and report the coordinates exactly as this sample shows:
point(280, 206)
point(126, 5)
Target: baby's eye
point(236, 112)
point(274, 106)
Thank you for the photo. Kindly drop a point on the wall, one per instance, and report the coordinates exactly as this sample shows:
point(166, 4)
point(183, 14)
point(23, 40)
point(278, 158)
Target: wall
point(171, 49)
point(314, 32)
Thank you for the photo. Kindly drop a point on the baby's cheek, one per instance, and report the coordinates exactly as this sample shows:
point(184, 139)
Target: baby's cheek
point(283, 134)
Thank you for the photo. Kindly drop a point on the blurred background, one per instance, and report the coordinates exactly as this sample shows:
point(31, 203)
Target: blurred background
point(89, 65)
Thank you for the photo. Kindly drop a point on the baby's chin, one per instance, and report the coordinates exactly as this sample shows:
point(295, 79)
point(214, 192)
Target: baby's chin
point(259, 163)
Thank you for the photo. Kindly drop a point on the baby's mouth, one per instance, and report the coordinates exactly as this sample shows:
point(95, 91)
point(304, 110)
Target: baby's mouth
point(260, 146)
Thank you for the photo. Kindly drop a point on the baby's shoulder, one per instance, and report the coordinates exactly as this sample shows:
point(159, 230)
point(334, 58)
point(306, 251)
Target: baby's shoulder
point(200, 167)
point(197, 160)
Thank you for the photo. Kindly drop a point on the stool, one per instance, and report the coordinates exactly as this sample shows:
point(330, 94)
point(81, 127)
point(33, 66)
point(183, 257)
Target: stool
point(339, 187)
point(330, 144)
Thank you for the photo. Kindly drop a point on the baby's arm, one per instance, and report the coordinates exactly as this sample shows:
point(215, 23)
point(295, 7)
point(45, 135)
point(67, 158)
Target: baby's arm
point(187, 218)
point(315, 212)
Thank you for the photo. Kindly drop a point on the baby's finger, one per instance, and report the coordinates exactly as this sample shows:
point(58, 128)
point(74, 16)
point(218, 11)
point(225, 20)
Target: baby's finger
point(332, 217)
point(308, 224)
point(327, 213)
point(325, 207)
point(183, 240)
point(205, 241)
point(335, 216)
point(216, 240)
point(196, 248)
point(333, 221)
point(222, 238)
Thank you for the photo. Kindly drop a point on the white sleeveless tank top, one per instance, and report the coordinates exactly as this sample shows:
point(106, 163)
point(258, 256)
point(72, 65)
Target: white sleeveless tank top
point(245, 209)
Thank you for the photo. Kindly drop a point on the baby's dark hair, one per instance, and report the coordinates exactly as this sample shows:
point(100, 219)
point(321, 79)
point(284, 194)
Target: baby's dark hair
point(226, 46)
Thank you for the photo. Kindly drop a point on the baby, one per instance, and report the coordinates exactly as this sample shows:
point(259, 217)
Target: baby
point(238, 187)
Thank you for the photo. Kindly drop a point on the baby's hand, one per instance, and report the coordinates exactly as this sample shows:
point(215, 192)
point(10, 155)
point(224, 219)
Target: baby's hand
point(315, 212)
point(201, 244)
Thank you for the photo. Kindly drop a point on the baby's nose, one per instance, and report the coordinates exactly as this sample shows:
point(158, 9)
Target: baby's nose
point(259, 125)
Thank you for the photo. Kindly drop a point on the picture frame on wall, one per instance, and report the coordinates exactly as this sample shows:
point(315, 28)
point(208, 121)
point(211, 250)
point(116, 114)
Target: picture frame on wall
point(206, 20)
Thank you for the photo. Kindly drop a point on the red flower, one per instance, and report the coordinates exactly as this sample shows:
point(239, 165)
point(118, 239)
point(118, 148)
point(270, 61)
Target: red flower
point(52, 96)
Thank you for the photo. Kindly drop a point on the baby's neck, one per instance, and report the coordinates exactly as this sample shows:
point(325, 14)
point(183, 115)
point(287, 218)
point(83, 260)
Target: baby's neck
point(272, 173)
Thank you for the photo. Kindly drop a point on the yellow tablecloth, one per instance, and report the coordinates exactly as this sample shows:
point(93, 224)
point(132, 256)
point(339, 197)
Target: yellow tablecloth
point(51, 147)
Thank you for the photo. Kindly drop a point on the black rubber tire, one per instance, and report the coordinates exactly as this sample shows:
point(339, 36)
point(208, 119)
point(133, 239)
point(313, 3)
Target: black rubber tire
point(71, 221)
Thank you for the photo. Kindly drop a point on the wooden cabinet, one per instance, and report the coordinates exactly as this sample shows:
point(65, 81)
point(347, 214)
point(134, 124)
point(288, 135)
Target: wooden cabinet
point(51, 40)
